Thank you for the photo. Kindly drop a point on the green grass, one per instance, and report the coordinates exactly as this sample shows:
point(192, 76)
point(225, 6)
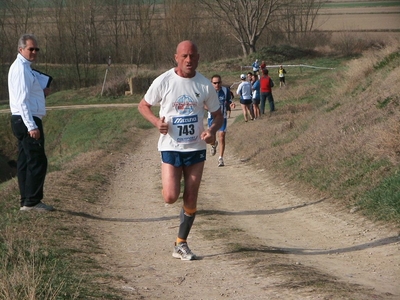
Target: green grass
point(384, 103)
point(392, 57)
point(86, 96)
point(383, 202)
point(70, 132)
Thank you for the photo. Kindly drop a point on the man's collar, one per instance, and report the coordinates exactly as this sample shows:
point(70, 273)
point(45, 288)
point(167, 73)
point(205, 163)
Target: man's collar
point(24, 60)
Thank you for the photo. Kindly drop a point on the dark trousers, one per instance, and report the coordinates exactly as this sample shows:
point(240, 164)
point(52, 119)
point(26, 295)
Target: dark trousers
point(31, 163)
point(264, 97)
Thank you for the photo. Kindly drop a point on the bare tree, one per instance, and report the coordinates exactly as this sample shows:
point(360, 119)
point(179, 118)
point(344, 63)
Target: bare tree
point(181, 21)
point(246, 18)
point(16, 15)
point(138, 32)
point(77, 34)
point(114, 24)
point(19, 13)
point(299, 16)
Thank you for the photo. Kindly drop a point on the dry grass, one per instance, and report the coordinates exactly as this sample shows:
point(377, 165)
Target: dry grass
point(55, 256)
point(25, 271)
point(344, 140)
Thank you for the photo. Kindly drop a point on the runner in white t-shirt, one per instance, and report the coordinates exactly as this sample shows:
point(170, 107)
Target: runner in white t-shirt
point(183, 95)
point(182, 101)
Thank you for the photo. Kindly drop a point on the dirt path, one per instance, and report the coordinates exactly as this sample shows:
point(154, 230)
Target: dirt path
point(256, 239)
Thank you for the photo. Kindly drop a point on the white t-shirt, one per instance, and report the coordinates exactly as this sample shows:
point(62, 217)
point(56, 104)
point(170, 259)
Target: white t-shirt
point(182, 102)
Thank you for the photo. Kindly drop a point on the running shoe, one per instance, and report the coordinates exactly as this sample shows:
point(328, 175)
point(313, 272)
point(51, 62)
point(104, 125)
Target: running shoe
point(221, 162)
point(213, 149)
point(38, 207)
point(183, 252)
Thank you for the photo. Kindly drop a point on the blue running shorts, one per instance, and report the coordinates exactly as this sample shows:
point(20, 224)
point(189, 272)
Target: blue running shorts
point(223, 127)
point(179, 159)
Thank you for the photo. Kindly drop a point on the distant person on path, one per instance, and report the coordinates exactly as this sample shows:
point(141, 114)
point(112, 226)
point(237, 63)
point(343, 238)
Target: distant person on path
point(266, 85)
point(281, 73)
point(256, 97)
point(244, 91)
point(224, 97)
point(28, 107)
point(256, 67)
point(263, 65)
point(183, 95)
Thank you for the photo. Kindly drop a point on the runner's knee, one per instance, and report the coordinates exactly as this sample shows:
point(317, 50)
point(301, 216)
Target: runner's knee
point(169, 197)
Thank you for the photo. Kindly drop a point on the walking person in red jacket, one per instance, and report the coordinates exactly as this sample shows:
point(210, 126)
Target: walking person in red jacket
point(266, 85)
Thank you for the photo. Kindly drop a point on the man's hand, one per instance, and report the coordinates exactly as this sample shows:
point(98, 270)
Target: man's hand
point(162, 126)
point(145, 109)
point(208, 137)
point(35, 134)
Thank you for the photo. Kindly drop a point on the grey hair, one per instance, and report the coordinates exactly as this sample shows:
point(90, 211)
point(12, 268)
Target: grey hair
point(22, 40)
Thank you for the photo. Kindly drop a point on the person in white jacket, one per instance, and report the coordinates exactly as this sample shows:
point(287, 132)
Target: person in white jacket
point(244, 91)
point(27, 104)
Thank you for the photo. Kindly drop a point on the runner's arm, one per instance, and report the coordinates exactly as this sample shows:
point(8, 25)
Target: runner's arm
point(145, 110)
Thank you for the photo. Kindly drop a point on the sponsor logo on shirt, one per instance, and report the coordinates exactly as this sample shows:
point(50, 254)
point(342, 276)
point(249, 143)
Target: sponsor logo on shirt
point(185, 120)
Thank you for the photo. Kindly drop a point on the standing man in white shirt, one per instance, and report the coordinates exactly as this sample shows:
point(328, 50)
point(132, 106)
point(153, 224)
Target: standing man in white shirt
point(183, 94)
point(27, 103)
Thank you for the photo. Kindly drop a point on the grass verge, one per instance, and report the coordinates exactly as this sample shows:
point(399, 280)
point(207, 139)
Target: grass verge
point(335, 132)
point(56, 255)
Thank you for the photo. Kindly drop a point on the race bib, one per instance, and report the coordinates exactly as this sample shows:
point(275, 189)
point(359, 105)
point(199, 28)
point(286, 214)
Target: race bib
point(185, 129)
